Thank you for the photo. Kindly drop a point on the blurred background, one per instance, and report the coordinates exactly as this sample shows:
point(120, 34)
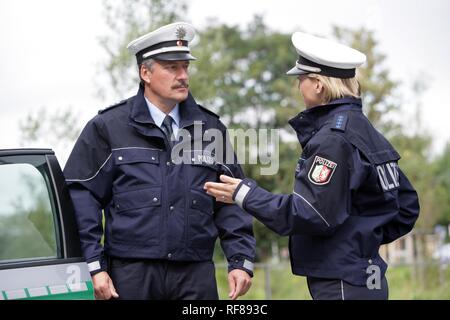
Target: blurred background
point(63, 60)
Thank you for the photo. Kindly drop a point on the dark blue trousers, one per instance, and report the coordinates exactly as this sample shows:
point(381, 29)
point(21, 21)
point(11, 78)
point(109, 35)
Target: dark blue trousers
point(330, 289)
point(163, 280)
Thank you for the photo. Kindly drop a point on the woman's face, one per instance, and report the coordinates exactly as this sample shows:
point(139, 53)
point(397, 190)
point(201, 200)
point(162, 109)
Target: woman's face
point(310, 89)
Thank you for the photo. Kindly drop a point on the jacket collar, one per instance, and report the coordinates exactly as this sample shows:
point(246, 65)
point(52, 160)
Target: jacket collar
point(309, 121)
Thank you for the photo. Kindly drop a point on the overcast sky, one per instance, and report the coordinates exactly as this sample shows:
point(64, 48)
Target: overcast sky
point(50, 53)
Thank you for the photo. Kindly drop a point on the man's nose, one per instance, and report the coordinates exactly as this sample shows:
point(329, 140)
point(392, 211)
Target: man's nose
point(182, 74)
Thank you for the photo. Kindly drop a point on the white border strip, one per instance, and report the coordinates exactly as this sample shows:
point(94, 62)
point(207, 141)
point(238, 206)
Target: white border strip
point(307, 68)
point(248, 265)
point(328, 225)
point(58, 289)
point(98, 171)
point(165, 49)
point(116, 149)
point(93, 266)
point(16, 294)
point(241, 194)
point(38, 292)
point(104, 163)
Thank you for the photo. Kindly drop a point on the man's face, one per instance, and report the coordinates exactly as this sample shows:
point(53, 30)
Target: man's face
point(168, 81)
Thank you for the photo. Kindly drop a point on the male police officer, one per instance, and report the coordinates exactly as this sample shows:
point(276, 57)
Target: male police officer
point(160, 226)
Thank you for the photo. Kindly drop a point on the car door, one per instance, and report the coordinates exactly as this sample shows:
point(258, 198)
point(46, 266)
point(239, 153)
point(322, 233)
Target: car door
point(40, 255)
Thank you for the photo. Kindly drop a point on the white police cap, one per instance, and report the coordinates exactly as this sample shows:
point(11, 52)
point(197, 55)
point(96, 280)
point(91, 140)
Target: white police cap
point(170, 42)
point(324, 57)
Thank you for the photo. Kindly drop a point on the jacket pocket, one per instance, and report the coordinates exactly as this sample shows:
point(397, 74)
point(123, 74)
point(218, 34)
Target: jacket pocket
point(136, 167)
point(199, 173)
point(136, 216)
point(202, 231)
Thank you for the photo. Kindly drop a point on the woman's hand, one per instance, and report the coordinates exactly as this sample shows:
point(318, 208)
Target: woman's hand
point(223, 192)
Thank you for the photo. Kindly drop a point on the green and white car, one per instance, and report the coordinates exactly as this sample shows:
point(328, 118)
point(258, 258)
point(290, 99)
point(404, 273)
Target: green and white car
point(40, 255)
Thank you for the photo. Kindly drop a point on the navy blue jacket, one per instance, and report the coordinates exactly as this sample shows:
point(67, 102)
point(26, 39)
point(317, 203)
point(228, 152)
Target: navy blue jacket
point(349, 196)
point(154, 207)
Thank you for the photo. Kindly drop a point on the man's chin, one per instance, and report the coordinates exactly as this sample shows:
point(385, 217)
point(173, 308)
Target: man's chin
point(181, 95)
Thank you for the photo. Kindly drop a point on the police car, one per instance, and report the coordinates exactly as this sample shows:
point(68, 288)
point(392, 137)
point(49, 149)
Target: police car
point(40, 254)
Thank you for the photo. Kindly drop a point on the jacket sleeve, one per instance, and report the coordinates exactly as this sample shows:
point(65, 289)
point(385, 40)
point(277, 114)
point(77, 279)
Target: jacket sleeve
point(320, 201)
point(408, 211)
point(235, 225)
point(89, 175)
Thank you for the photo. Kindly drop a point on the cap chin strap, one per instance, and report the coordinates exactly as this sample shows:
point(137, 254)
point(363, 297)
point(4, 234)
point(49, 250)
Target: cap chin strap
point(310, 66)
point(165, 49)
point(307, 68)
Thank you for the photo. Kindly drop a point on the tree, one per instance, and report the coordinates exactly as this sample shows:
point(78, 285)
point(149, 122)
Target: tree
point(57, 130)
point(240, 74)
point(378, 88)
point(426, 174)
point(126, 21)
point(441, 183)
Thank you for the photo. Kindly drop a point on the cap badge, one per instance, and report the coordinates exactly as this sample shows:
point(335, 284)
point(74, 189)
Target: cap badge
point(180, 33)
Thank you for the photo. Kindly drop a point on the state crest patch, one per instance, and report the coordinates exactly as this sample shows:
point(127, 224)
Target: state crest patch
point(321, 170)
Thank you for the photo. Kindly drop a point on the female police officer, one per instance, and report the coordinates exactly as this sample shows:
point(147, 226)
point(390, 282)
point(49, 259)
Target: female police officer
point(349, 197)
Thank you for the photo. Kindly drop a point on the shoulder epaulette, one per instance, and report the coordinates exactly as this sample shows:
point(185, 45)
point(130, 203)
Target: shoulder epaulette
point(112, 106)
point(208, 111)
point(339, 122)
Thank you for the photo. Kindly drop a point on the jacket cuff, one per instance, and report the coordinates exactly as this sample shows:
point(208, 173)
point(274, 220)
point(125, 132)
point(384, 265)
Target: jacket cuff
point(241, 263)
point(96, 265)
point(242, 190)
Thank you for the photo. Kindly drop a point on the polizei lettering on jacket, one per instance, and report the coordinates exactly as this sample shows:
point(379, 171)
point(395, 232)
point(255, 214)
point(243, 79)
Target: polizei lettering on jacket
point(388, 176)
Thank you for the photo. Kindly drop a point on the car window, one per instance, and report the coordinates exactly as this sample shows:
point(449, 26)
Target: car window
point(27, 210)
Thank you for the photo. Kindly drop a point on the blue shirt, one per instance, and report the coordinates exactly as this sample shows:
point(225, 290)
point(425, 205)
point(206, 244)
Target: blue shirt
point(158, 116)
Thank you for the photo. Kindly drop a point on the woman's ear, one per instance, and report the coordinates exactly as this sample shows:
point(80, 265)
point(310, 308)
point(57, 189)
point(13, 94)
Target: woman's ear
point(319, 86)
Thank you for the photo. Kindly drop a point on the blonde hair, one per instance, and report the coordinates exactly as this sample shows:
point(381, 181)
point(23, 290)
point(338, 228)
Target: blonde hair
point(336, 88)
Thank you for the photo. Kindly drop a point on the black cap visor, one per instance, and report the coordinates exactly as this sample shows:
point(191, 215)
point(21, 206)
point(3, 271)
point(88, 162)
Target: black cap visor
point(173, 56)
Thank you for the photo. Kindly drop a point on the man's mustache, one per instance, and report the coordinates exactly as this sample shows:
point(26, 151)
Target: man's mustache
point(181, 85)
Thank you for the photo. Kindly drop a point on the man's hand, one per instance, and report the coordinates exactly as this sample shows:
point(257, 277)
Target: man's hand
point(103, 286)
point(239, 282)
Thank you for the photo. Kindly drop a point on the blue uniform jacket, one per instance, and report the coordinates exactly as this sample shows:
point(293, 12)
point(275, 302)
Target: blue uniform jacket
point(349, 195)
point(154, 208)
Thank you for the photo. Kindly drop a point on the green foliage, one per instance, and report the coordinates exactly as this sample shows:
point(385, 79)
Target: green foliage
point(403, 284)
point(28, 230)
point(441, 181)
point(283, 284)
point(377, 86)
point(241, 75)
point(418, 167)
point(126, 21)
point(58, 128)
